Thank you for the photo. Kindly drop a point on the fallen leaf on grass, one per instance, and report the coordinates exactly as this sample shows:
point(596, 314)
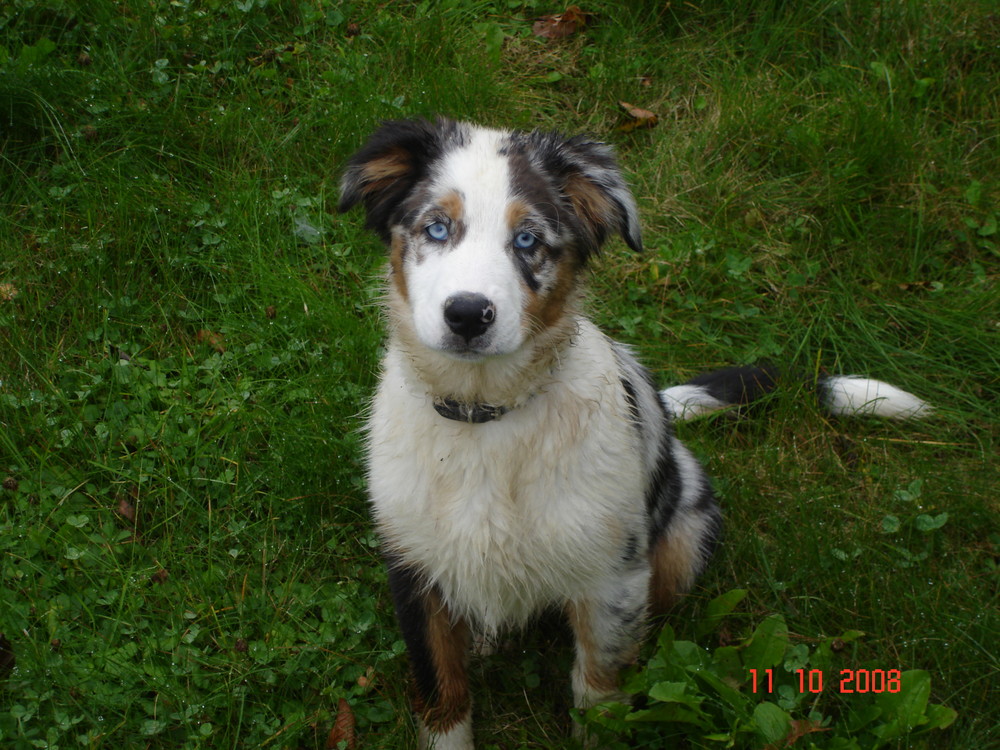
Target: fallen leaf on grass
point(7, 292)
point(127, 513)
point(160, 576)
point(343, 728)
point(126, 510)
point(215, 340)
point(365, 680)
point(640, 118)
point(800, 728)
point(560, 25)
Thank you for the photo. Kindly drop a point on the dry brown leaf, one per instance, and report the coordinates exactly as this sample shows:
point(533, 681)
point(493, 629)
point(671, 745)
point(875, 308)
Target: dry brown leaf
point(160, 576)
point(215, 340)
point(343, 728)
point(800, 728)
point(126, 510)
point(560, 25)
point(365, 681)
point(640, 118)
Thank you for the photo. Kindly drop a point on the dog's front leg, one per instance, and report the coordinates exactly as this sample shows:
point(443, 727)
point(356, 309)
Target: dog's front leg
point(608, 626)
point(438, 646)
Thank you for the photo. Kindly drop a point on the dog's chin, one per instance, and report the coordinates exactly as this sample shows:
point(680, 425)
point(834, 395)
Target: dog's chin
point(466, 355)
point(470, 354)
point(473, 351)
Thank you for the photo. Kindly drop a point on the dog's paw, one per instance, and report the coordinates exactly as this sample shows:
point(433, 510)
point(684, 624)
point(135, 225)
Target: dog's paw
point(459, 737)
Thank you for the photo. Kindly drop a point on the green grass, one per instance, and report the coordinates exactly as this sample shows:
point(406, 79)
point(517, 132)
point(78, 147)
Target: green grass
point(188, 335)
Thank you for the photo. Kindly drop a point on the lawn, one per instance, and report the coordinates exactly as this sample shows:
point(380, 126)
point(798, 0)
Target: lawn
point(189, 333)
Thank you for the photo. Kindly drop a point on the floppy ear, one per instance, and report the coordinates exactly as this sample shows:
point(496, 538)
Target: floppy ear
point(587, 175)
point(387, 168)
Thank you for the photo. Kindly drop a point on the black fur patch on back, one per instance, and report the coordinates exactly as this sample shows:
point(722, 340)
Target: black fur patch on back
point(630, 552)
point(664, 490)
point(666, 483)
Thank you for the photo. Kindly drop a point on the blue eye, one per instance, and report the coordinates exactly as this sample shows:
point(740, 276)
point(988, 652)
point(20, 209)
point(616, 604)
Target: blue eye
point(438, 231)
point(525, 240)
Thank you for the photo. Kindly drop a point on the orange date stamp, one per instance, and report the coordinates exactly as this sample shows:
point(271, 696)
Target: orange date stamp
point(850, 681)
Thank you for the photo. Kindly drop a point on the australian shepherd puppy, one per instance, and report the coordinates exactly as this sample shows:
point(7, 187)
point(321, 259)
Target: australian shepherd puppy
point(518, 458)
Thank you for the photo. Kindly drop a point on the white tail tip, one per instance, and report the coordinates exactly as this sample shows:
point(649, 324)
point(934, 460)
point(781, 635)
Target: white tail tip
point(855, 396)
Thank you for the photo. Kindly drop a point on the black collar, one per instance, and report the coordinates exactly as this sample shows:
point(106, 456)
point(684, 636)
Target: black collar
point(470, 413)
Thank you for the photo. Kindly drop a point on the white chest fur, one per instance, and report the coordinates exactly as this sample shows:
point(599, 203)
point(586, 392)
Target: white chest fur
point(509, 516)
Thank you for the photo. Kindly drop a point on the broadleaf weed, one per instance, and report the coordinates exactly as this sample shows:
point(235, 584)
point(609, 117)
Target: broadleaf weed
point(767, 691)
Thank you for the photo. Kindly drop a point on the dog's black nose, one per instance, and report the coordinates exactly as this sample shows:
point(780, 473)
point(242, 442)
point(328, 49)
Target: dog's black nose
point(468, 315)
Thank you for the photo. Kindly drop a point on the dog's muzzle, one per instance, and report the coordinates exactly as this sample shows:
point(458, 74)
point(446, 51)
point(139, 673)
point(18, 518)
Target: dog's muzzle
point(469, 315)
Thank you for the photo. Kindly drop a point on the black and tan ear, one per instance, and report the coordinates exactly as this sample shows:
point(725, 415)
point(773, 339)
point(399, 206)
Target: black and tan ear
point(588, 177)
point(387, 168)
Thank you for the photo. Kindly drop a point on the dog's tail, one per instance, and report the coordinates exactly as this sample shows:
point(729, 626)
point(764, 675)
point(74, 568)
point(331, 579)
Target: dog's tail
point(840, 395)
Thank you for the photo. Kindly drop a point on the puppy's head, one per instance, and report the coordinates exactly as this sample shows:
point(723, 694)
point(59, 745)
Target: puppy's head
point(487, 229)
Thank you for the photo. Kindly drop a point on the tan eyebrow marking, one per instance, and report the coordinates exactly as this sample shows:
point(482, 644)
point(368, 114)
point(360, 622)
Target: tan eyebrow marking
point(517, 212)
point(453, 205)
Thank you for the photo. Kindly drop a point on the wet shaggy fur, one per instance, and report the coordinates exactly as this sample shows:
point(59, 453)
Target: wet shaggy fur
point(519, 459)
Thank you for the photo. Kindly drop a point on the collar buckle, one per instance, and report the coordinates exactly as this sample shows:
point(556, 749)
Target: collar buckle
point(449, 408)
